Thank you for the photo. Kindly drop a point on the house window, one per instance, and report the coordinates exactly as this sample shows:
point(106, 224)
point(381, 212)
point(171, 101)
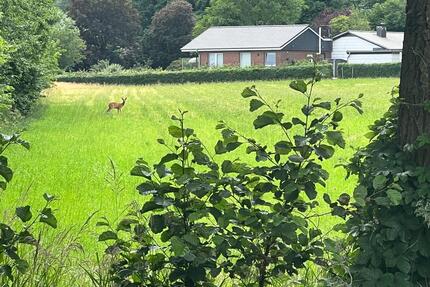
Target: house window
point(216, 59)
point(270, 59)
point(245, 60)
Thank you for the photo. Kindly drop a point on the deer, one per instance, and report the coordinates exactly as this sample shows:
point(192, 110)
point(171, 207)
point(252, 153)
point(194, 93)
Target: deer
point(117, 106)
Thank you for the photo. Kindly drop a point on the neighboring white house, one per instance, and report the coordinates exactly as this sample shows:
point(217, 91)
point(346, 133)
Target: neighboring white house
point(368, 47)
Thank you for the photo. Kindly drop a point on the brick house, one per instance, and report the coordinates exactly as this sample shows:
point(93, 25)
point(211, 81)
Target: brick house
point(247, 46)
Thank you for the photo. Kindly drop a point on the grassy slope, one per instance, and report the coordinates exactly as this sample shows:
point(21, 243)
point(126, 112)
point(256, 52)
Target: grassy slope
point(73, 138)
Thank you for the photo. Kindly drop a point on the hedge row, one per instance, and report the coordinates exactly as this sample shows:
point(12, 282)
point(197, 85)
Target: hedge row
point(368, 70)
point(195, 76)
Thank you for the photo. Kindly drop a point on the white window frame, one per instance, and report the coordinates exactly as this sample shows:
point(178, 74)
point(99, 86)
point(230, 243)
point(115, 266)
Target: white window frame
point(216, 60)
point(266, 57)
point(248, 62)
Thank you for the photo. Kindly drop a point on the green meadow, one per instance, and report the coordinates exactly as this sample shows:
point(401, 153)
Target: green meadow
point(73, 139)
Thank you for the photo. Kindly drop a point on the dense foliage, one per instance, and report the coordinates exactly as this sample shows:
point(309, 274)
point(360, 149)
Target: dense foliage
point(255, 12)
point(391, 13)
point(368, 70)
point(131, 77)
point(354, 21)
point(71, 45)
point(32, 62)
point(109, 28)
point(388, 222)
point(171, 29)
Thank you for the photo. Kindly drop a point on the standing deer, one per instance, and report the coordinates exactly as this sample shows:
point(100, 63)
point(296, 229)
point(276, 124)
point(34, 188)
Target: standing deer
point(117, 106)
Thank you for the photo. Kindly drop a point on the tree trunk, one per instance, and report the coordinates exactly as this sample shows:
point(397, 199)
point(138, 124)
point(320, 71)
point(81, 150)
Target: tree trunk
point(414, 118)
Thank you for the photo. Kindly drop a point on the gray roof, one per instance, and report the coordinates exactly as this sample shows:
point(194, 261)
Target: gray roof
point(240, 38)
point(393, 41)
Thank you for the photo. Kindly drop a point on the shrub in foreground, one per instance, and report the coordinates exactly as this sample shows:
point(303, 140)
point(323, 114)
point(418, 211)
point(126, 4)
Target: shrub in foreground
point(388, 223)
point(205, 224)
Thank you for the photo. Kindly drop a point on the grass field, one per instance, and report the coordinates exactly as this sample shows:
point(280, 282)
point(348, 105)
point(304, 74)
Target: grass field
point(73, 137)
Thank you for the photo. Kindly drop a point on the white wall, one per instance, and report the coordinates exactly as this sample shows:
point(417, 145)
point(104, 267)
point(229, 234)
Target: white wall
point(374, 58)
point(350, 43)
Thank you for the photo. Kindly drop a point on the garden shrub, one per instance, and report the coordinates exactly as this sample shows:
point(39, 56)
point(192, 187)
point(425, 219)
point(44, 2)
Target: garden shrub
point(131, 77)
point(205, 224)
point(388, 222)
point(368, 70)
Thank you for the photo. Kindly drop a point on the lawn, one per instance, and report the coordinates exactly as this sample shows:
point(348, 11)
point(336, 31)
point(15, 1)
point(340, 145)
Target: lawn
point(73, 138)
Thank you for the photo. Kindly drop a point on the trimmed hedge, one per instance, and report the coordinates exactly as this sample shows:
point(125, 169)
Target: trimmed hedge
point(131, 77)
point(369, 70)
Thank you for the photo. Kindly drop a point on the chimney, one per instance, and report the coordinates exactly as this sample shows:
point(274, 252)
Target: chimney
point(325, 31)
point(381, 31)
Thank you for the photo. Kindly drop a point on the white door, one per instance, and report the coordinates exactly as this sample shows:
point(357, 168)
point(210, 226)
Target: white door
point(245, 60)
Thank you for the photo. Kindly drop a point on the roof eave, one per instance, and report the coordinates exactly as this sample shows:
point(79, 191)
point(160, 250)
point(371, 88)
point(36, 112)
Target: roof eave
point(195, 50)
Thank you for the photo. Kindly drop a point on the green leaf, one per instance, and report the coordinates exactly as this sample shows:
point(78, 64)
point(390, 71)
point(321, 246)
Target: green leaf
point(283, 147)
point(326, 198)
point(220, 148)
point(21, 265)
point(344, 199)
point(324, 105)
point(178, 246)
point(267, 118)
point(379, 182)
point(299, 86)
point(47, 217)
point(108, 235)
point(6, 173)
point(168, 158)
point(296, 158)
point(324, 151)
point(175, 131)
point(310, 190)
point(337, 117)
point(360, 194)
point(150, 206)
point(404, 265)
point(141, 169)
point(24, 213)
point(335, 138)
point(192, 239)
point(249, 92)
point(395, 196)
point(255, 105)
point(297, 121)
point(157, 223)
point(125, 224)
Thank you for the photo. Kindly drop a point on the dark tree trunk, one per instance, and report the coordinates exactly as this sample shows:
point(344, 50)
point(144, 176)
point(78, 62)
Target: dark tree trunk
point(414, 118)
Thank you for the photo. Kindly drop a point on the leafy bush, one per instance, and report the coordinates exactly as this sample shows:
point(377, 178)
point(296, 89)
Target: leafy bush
point(104, 66)
point(369, 70)
point(131, 77)
point(33, 59)
point(206, 223)
point(388, 222)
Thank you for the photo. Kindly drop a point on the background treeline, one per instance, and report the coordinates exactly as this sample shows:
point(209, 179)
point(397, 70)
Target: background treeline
point(38, 39)
point(151, 32)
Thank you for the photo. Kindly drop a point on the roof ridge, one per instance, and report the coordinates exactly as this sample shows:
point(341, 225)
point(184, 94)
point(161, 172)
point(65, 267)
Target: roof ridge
point(256, 26)
point(373, 31)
